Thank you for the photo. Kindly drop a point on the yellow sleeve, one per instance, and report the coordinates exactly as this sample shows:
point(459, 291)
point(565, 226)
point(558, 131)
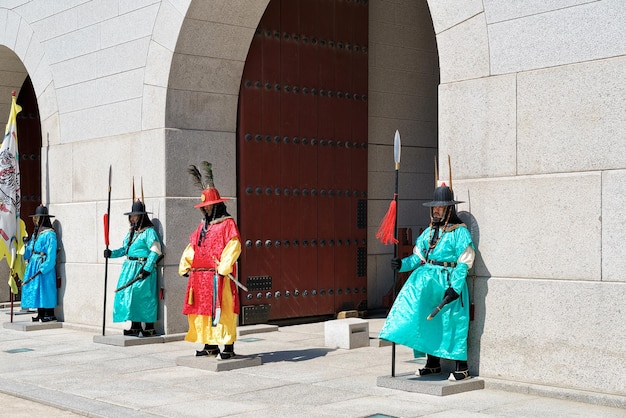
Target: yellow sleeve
point(185, 260)
point(230, 254)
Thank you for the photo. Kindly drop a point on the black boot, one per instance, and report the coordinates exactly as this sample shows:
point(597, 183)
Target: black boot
point(462, 371)
point(135, 329)
point(208, 350)
point(433, 366)
point(40, 315)
point(228, 353)
point(148, 330)
point(48, 315)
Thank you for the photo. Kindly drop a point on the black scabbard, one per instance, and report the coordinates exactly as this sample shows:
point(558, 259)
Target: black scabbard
point(31, 278)
point(443, 303)
point(129, 284)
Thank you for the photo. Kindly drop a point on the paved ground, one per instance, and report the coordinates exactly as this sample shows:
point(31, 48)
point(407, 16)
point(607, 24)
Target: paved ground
point(16, 407)
point(62, 372)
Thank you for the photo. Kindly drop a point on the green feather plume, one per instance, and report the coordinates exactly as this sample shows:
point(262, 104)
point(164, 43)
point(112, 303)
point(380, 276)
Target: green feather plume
point(209, 173)
point(196, 176)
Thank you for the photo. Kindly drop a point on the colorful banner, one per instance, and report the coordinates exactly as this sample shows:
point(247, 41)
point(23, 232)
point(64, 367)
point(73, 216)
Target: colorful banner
point(12, 228)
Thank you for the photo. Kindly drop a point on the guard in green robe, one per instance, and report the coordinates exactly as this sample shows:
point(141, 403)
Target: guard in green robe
point(136, 297)
point(442, 255)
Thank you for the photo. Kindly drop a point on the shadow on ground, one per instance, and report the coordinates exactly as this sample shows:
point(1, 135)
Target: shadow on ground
point(294, 355)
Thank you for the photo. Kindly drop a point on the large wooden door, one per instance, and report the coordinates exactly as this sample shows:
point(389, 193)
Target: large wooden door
point(29, 150)
point(302, 161)
point(29, 147)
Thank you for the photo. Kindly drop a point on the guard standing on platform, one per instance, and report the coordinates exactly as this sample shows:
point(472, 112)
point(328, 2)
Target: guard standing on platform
point(212, 299)
point(431, 313)
point(39, 289)
point(136, 297)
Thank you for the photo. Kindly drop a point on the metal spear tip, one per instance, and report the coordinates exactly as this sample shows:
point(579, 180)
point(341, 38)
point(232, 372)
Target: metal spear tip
point(397, 148)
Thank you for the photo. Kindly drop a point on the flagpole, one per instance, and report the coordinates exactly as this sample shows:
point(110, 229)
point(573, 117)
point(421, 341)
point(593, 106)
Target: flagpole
point(106, 259)
point(13, 94)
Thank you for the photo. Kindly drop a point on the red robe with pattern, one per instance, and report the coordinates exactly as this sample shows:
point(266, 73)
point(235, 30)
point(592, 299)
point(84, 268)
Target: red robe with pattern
point(201, 281)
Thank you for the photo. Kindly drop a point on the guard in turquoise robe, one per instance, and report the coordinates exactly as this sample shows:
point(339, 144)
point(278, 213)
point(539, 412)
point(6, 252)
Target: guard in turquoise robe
point(136, 296)
point(39, 289)
point(442, 255)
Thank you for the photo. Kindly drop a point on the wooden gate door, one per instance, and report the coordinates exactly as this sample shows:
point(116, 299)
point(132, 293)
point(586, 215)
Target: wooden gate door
point(29, 147)
point(302, 161)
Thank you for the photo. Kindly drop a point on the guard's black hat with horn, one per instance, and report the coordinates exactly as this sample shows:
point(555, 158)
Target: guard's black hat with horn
point(443, 195)
point(138, 208)
point(41, 211)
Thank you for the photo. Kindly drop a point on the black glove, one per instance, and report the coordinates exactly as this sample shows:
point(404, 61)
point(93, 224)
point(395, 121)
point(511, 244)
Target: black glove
point(25, 239)
point(143, 274)
point(396, 263)
point(451, 294)
point(107, 253)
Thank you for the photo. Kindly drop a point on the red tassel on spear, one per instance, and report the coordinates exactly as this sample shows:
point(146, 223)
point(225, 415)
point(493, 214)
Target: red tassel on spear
point(387, 231)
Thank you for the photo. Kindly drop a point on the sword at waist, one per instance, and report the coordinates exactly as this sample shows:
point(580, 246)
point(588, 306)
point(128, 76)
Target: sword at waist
point(31, 278)
point(230, 276)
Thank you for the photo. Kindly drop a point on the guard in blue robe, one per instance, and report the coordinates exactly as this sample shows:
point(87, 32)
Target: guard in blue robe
point(136, 295)
point(39, 289)
point(442, 255)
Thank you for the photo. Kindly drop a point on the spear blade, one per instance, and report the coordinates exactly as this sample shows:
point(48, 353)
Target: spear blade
point(397, 145)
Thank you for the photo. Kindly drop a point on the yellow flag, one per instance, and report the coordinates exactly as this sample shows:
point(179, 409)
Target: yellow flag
point(12, 228)
point(19, 266)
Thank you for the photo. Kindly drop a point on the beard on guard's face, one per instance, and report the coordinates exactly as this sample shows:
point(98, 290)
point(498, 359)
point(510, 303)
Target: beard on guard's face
point(437, 213)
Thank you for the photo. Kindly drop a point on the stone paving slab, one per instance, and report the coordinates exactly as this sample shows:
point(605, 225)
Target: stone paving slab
point(214, 365)
point(438, 385)
point(66, 402)
point(168, 338)
point(126, 341)
point(255, 329)
point(32, 326)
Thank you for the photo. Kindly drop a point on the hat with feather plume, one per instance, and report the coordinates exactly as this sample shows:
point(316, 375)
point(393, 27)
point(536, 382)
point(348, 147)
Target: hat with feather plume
point(210, 195)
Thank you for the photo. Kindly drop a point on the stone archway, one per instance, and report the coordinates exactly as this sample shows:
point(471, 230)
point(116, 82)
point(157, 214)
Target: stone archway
point(200, 115)
point(16, 66)
point(31, 60)
point(202, 96)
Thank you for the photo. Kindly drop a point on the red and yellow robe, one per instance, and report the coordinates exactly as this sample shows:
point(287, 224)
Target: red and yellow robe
point(221, 243)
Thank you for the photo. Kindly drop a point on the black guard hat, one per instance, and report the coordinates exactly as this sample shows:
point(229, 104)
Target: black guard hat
point(137, 209)
point(41, 211)
point(443, 196)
